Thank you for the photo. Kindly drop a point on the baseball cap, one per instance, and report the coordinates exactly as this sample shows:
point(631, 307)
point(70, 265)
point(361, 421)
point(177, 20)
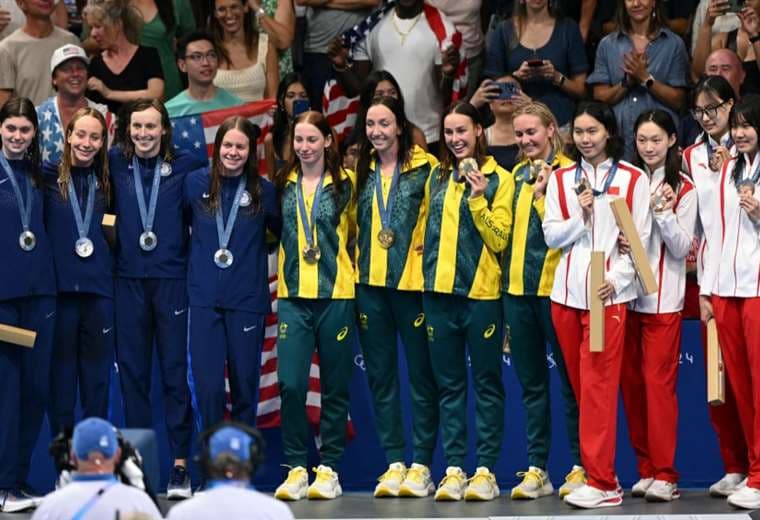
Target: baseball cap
point(94, 434)
point(68, 52)
point(230, 440)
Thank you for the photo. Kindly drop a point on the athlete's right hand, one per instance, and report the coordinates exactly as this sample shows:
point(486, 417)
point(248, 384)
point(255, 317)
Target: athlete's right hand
point(705, 308)
point(586, 200)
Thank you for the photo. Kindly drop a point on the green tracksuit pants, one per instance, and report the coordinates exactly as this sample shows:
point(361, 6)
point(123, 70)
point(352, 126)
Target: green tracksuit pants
point(385, 314)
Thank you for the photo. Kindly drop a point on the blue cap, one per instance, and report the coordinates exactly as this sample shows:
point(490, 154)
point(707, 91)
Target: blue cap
point(94, 434)
point(230, 440)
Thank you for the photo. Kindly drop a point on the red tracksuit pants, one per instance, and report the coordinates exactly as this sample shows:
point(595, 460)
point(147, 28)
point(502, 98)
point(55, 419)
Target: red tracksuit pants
point(648, 384)
point(738, 321)
point(595, 378)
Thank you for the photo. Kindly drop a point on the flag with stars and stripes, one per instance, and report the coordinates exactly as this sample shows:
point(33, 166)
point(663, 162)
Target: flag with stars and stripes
point(341, 110)
point(50, 130)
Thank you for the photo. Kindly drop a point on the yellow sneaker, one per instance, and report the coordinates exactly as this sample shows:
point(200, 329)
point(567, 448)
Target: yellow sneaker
point(535, 484)
point(482, 486)
point(326, 485)
point(417, 483)
point(573, 480)
point(389, 482)
point(294, 487)
point(451, 486)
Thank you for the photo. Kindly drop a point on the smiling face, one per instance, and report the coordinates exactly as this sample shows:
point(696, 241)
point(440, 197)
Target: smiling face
point(744, 136)
point(234, 152)
point(86, 140)
point(17, 133)
point(706, 104)
point(309, 144)
point(532, 136)
point(590, 137)
point(382, 128)
point(639, 10)
point(652, 143)
point(146, 131)
point(70, 78)
point(461, 135)
point(230, 15)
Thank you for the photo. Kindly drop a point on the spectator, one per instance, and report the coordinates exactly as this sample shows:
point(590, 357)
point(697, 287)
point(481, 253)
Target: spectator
point(68, 67)
point(323, 25)
point(197, 56)
point(413, 54)
point(12, 17)
point(277, 18)
point(230, 459)
point(544, 52)
point(94, 491)
point(277, 142)
point(124, 71)
point(724, 23)
point(26, 48)
point(248, 66)
point(725, 62)
point(641, 66)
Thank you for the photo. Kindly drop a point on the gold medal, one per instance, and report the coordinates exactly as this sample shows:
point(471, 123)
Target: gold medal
point(535, 169)
point(311, 254)
point(466, 167)
point(386, 237)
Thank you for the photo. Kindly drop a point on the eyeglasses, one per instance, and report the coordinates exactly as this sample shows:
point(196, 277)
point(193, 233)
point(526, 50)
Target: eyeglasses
point(710, 111)
point(198, 57)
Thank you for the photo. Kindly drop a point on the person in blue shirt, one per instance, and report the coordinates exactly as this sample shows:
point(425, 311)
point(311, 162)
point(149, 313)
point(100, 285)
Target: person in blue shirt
point(27, 300)
point(77, 193)
point(232, 208)
point(152, 239)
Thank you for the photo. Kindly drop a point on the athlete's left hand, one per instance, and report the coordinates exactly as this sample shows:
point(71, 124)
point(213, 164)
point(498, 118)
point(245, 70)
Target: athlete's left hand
point(606, 290)
point(751, 205)
point(478, 183)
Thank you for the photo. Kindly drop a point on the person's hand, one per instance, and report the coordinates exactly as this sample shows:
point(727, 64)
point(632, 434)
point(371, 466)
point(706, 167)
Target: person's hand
point(97, 85)
point(487, 91)
point(670, 197)
point(477, 182)
point(750, 204)
point(525, 72)
point(5, 19)
point(606, 290)
point(750, 21)
point(539, 188)
point(705, 308)
point(635, 65)
point(450, 61)
point(624, 247)
point(720, 156)
point(547, 71)
point(715, 9)
point(337, 53)
point(586, 200)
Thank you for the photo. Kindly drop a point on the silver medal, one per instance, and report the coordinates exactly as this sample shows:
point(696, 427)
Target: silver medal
point(245, 199)
point(223, 258)
point(84, 247)
point(27, 241)
point(166, 169)
point(148, 241)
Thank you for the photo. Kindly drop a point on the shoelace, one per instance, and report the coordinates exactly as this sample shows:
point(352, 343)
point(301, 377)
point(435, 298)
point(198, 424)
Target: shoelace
point(479, 476)
point(390, 472)
point(323, 475)
point(532, 474)
point(576, 475)
point(415, 475)
point(446, 479)
point(294, 474)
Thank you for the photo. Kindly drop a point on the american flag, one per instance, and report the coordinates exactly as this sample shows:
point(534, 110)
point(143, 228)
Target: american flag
point(340, 110)
point(196, 134)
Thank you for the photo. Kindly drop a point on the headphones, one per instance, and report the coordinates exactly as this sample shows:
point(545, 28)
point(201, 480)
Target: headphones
point(257, 448)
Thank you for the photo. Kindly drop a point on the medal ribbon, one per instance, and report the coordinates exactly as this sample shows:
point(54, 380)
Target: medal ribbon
point(146, 216)
point(308, 221)
point(24, 208)
point(83, 225)
point(224, 231)
point(385, 212)
point(610, 177)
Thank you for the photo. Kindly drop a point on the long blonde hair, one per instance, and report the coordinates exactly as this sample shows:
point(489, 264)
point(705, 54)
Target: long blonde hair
point(100, 163)
point(545, 115)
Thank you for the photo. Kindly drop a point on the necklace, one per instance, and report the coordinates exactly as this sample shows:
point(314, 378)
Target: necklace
point(403, 34)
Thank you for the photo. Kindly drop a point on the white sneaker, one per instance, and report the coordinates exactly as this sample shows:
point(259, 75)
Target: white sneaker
point(451, 486)
point(573, 480)
point(482, 486)
point(389, 482)
point(535, 484)
point(729, 484)
point(662, 491)
point(11, 502)
point(417, 483)
point(589, 497)
point(295, 485)
point(326, 485)
point(746, 498)
point(639, 489)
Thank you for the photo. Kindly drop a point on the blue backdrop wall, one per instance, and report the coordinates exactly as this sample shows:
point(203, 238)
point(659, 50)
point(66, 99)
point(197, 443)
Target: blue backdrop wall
point(697, 457)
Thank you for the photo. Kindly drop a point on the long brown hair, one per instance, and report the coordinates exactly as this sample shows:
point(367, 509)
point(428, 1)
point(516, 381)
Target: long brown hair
point(520, 14)
point(23, 107)
point(545, 115)
point(656, 21)
point(100, 163)
point(125, 120)
point(332, 156)
point(250, 168)
point(447, 158)
point(250, 34)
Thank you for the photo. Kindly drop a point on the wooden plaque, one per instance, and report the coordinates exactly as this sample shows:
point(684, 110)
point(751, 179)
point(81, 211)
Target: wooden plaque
point(716, 375)
point(638, 253)
point(596, 325)
point(109, 227)
point(17, 336)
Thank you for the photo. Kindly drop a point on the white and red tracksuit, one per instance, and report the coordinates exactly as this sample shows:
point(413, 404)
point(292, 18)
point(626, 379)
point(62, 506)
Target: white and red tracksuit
point(595, 377)
point(732, 276)
point(724, 418)
point(653, 338)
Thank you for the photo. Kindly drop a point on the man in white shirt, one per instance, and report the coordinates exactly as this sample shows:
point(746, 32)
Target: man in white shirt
point(94, 492)
point(229, 460)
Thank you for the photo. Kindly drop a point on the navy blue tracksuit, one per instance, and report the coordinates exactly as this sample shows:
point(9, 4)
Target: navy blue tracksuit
point(27, 300)
point(228, 306)
point(151, 296)
point(84, 325)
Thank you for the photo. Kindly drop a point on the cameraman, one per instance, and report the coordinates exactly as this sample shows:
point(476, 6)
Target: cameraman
point(94, 491)
point(229, 459)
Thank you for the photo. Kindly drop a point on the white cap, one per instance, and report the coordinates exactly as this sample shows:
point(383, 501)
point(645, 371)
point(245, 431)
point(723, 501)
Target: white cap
point(66, 53)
